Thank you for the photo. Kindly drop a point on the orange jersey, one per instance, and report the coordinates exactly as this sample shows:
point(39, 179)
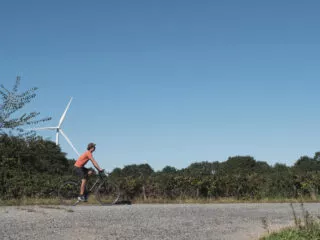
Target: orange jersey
point(83, 159)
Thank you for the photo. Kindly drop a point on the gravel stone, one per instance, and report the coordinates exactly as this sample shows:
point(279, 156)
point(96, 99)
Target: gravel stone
point(147, 221)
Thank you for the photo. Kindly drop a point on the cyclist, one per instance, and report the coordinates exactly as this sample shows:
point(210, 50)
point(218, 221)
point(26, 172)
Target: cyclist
point(83, 172)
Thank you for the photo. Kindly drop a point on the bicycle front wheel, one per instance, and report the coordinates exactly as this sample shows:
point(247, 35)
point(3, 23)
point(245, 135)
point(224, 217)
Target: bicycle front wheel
point(68, 193)
point(107, 193)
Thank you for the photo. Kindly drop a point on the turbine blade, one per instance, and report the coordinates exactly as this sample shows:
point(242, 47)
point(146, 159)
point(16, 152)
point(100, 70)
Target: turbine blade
point(64, 113)
point(43, 128)
point(70, 143)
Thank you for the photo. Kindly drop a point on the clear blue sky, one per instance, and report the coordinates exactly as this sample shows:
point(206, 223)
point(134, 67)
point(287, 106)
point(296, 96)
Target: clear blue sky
point(171, 82)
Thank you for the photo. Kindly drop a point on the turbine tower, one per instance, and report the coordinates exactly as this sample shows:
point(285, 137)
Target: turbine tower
point(59, 130)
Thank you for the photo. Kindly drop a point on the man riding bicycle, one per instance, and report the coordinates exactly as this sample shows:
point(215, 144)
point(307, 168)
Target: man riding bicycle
point(83, 172)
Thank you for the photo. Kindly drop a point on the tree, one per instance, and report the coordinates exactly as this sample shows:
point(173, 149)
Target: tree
point(307, 164)
point(169, 169)
point(30, 167)
point(12, 102)
point(317, 156)
point(201, 168)
point(135, 170)
point(136, 177)
point(281, 182)
point(239, 164)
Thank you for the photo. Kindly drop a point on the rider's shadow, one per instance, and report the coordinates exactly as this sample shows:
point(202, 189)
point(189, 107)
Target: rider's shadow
point(123, 202)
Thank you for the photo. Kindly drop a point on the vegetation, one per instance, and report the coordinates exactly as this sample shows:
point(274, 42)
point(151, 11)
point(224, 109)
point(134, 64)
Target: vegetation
point(296, 234)
point(12, 103)
point(34, 168)
point(307, 228)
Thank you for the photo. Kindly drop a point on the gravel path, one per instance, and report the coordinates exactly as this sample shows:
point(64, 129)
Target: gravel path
point(149, 222)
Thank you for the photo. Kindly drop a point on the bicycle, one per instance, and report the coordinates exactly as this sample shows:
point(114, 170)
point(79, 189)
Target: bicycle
point(106, 192)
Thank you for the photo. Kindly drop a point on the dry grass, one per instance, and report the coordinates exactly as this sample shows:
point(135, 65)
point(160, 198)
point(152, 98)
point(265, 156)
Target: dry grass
point(219, 200)
point(307, 227)
point(30, 201)
point(93, 201)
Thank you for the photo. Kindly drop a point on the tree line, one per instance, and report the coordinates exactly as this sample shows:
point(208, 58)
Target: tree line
point(34, 167)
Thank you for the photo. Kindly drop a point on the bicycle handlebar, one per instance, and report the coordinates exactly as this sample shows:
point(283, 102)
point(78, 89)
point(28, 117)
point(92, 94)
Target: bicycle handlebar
point(103, 172)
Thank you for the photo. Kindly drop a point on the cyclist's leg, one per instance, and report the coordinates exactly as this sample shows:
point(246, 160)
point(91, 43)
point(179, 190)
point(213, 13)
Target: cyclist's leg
point(83, 174)
point(83, 186)
point(91, 172)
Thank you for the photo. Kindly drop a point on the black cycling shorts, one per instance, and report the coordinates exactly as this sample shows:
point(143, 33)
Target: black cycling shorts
point(82, 172)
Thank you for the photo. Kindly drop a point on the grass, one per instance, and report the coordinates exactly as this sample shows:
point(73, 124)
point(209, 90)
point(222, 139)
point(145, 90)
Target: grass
point(92, 201)
point(39, 201)
point(295, 234)
point(30, 201)
point(220, 200)
point(307, 228)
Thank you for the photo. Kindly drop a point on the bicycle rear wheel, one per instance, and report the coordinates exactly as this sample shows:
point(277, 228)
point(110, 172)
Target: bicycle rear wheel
point(107, 193)
point(68, 193)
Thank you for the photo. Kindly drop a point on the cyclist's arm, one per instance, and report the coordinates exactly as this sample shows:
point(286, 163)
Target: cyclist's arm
point(95, 164)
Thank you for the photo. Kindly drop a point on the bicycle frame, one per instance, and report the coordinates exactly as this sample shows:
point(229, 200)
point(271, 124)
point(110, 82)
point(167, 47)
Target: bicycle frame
point(105, 190)
point(98, 181)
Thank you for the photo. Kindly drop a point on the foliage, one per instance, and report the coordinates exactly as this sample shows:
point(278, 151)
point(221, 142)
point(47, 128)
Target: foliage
point(35, 167)
point(30, 167)
point(12, 102)
point(296, 234)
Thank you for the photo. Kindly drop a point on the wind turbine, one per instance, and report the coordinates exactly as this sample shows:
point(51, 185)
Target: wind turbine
point(59, 130)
